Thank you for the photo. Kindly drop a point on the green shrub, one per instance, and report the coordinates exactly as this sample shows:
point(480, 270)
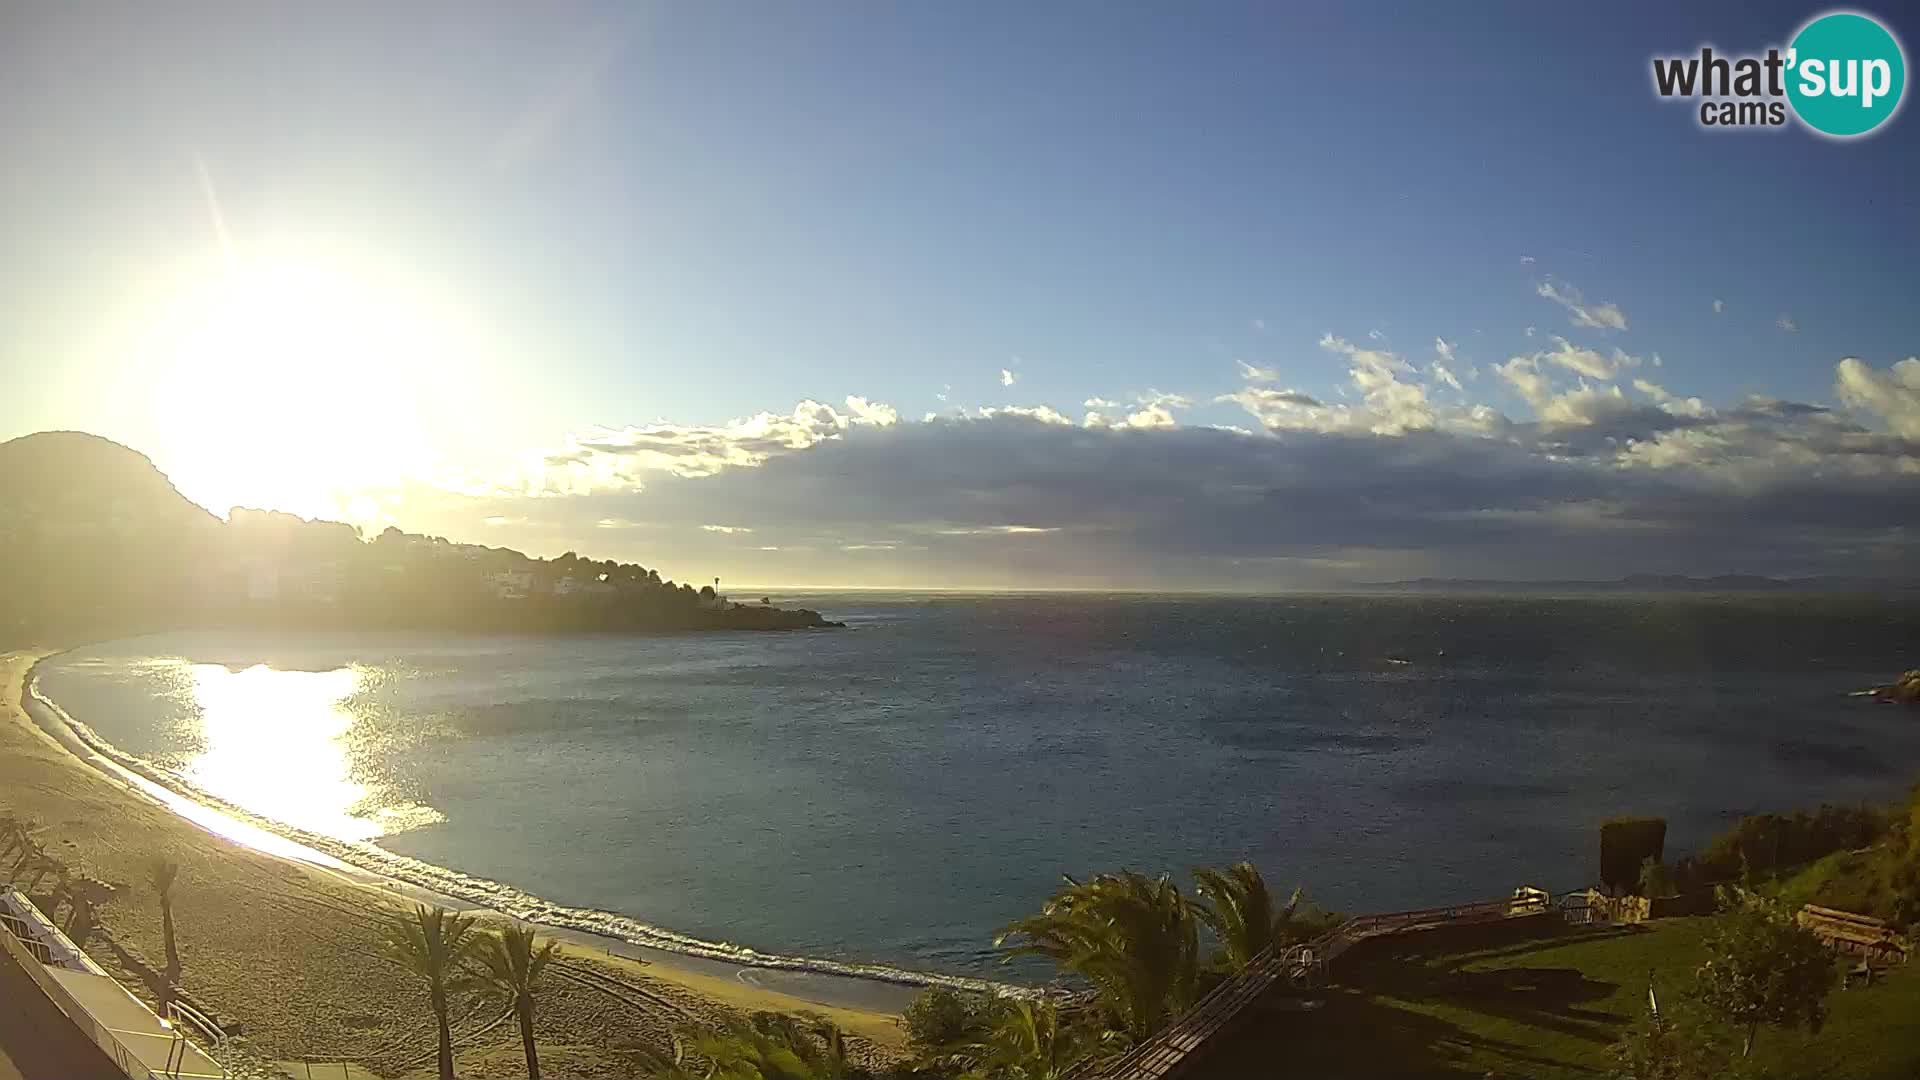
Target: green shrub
point(940, 1019)
point(1656, 879)
point(1763, 844)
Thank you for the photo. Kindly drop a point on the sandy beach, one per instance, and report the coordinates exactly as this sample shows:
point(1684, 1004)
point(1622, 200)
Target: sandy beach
point(283, 951)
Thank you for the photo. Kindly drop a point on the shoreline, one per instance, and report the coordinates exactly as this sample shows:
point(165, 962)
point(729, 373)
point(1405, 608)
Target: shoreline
point(331, 1004)
point(819, 980)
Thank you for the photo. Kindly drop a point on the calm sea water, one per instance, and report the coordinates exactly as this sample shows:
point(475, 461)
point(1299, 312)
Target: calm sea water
point(893, 793)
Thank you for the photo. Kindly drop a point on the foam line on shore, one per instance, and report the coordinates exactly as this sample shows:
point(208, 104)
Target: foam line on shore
point(482, 892)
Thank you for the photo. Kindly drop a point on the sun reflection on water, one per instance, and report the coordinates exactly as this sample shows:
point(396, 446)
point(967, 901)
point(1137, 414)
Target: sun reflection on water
point(277, 743)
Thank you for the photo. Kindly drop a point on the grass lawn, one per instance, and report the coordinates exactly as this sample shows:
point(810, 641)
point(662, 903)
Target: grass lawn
point(1546, 1001)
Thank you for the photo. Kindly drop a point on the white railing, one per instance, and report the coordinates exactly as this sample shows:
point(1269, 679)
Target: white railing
point(180, 1015)
point(26, 952)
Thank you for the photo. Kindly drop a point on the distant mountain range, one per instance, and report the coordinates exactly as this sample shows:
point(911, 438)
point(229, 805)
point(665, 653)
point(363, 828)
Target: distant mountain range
point(1646, 583)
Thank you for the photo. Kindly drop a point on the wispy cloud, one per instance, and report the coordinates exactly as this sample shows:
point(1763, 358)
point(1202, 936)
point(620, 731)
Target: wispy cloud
point(1719, 306)
point(1007, 377)
point(999, 530)
point(1579, 312)
point(1786, 324)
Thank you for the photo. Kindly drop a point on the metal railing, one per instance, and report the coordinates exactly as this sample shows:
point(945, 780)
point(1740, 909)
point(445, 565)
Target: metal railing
point(26, 953)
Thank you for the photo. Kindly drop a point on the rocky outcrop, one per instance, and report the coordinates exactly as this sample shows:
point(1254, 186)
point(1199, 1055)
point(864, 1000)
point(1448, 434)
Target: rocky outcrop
point(1904, 691)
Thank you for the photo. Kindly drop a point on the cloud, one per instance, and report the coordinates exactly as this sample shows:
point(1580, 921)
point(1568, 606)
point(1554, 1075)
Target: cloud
point(1586, 362)
point(1000, 530)
point(1444, 348)
point(1602, 482)
point(1692, 407)
point(1786, 324)
point(1007, 378)
point(1100, 403)
point(620, 457)
point(1579, 312)
point(1892, 397)
point(1526, 260)
point(1156, 410)
point(1445, 374)
point(1250, 373)
point(867, 412)
point(1719, 306)
point(1523, 374)
point(1586, 478)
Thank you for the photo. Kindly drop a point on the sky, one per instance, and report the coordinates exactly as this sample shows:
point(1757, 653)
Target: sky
point(991, 295)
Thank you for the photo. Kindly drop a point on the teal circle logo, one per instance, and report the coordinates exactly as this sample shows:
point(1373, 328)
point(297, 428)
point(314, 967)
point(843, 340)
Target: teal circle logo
point(1845, 74)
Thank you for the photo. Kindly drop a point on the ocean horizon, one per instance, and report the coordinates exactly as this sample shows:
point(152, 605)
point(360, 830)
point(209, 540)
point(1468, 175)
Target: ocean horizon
point(882, 799)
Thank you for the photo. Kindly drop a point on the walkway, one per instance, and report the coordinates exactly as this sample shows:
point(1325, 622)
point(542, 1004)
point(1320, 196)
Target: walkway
point(1168, 1052)
point(63, 1018)
point(37, 1041)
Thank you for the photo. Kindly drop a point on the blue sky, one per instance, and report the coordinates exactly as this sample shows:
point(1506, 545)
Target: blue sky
point(603, 217)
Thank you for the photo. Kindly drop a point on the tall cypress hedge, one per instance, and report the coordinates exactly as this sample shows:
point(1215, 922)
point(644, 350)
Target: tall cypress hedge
point(1625, 843)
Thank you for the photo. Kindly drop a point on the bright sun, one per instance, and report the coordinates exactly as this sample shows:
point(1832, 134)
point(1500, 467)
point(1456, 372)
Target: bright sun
point(292, 387)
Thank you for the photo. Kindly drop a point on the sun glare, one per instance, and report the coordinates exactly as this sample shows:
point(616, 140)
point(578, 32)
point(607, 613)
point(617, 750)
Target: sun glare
point(295, 388)
point(276, 743)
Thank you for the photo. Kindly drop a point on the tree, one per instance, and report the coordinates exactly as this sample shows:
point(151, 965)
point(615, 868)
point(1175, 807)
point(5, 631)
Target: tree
point(1237, 906)
point(1678, 1048)
point(433, 943)
point(1625, 843)
point(507, 960)
point(1028, 1040)
point(161, 874)
point(942, 1023)
point(1655, 879)
point(1764, 969)
point(1133, 938)
point(771, 1047)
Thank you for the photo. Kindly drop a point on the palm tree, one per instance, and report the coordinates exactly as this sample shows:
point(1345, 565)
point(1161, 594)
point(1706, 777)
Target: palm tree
point(161, 875)
point(1028, 1041)
point(41, 864)
point(766, 1049)
point(20, 843)
point(507, 960)
point(12, 833)
point(433, 943)
point(1238, 908)
point(1133, 938)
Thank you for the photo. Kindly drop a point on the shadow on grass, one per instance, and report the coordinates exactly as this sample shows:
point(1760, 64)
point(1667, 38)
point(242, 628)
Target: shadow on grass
point(1356, 1034)
point(1551, 1016)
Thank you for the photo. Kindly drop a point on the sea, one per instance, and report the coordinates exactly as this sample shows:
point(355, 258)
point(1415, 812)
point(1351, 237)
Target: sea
point(883, 798)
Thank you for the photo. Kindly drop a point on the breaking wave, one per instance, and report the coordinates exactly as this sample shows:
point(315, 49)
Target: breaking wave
point(500, 897)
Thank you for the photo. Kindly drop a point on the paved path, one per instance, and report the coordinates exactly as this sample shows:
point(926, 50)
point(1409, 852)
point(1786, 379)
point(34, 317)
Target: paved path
point(37, 1041)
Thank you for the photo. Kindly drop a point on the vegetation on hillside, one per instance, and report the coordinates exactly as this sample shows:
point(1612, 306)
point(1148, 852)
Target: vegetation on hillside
point(95, 541)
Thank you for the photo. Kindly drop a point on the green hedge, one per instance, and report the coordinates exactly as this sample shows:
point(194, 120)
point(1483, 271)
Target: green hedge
point(1626, 843)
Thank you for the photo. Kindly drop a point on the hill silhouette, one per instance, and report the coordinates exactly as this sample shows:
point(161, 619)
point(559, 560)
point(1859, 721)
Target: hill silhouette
point(96, 541)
